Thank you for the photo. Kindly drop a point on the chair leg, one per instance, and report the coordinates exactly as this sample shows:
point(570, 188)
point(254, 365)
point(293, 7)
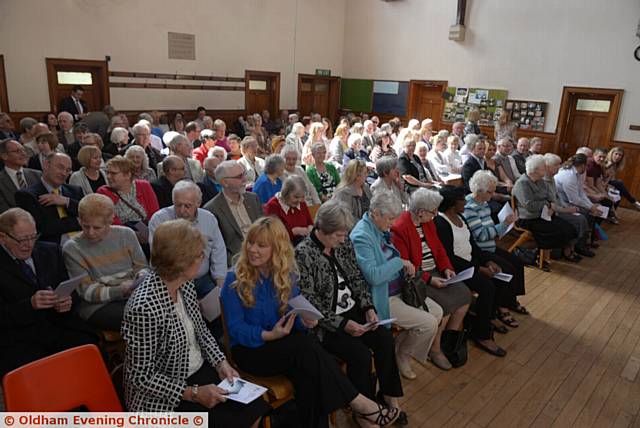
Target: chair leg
point(524, 237)
point(266, 421)
point(332, 418)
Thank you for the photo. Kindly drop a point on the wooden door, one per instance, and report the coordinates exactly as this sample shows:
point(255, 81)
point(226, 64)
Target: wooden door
point(262, 92)
point(319, 95)
point(4, 99)
point(64, 74)
point(588, 117)
point(425, 100)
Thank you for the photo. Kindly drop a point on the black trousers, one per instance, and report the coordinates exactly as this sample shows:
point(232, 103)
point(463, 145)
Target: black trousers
point(556, 233)
point(512, 265)
point(356, 353)
point(620, 187)
point(21, 353)
point(320, 387)
point(108, 317)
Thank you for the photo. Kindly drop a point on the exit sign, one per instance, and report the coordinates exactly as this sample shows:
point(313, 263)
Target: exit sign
point(323, 72)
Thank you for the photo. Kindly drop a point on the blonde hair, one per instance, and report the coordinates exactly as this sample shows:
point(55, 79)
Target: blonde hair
point(96, 205)
point(342, 130)
point(176, 246)
point(354, 169)
point(87, 153)
point(609, 163)
point(315, 130)
point(266, 231)
point(124, 165)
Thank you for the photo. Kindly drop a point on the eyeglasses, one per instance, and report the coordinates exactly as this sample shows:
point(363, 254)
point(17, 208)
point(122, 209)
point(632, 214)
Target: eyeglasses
point(15, 151)
point(239, 177)
point(21, 241)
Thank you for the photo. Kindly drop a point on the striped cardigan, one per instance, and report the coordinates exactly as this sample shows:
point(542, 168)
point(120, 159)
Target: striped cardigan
point(483, 229)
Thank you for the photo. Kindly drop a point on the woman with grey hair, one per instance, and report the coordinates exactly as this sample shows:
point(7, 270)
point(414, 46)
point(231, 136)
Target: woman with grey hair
point(537, 210)
point(389, 179)
point(294, 139)
point(353, 189)
point(292, 168)
point(289, 206)
point(414, 235)
point(323, 175)
point(249, 160)
point(384, 269)
point(118, 139)
point(410, 166)
point(138, 156)
point(331, 280)
point(269, 183)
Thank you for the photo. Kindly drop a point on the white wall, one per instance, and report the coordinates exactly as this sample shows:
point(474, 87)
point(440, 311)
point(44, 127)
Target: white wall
point(530, 48)
point(231, 36)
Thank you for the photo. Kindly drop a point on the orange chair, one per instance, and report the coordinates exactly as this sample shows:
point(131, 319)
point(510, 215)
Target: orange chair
point(526, 235)
point(62, 382)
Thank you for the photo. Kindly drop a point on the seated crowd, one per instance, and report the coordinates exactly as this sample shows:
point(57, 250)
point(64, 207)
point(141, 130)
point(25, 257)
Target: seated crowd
point(155, 217)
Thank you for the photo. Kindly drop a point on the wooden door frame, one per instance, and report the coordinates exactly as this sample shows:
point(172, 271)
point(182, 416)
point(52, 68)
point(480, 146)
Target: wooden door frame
point(101, 66)
point(331, 79)
point(268, 74)
point(413, 87)
point(4, 95)
point(568, 92)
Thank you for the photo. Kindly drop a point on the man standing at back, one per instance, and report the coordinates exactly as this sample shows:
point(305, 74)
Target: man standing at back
point(74, 103)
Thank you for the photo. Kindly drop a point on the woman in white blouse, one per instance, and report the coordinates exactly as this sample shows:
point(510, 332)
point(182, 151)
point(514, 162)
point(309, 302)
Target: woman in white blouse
point(436, 158)
point(452, 155)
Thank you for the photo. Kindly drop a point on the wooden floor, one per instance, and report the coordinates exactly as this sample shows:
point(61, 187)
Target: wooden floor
point(573, 362)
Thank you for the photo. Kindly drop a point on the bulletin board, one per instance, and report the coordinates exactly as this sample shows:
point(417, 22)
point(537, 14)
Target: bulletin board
point(390, 97)
point(356, 95)
point(527, 114)
point(490, 103)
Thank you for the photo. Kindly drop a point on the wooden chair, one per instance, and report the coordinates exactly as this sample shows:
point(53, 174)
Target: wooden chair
point(279, 388)
point(527, 235)
point(62, 382)
point(313, 209)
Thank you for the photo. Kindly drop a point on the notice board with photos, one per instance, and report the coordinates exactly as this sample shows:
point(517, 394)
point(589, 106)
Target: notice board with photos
point(460, 100)
point(527, 114)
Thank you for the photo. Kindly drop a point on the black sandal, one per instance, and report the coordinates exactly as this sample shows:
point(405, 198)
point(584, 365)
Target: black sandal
point(520, 309)
point(499, 329)
point(507, 319)
point(385, 415)
point(403, 419)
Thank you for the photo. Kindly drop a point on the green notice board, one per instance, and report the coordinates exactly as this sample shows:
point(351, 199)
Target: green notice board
point(490, 103)
point(356, 95)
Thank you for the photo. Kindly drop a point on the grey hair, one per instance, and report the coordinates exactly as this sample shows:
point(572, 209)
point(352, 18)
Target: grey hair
point(65, 113)
point(246, 141)
point(353, 139)
point(334, 216)
point(215, 149)
point(291, 185)
point(139, 127)
point(207, 120)
point(316, 147)
point(551, 159)
point(13, 216)
point(585, 151)
point(27, 123)
point(272, 162)
point(385, 203)
point(471, 140)
point(385, 164)
point(224, 167)
point(288, 148)
point(296, 126)
point(145, 116)
point(139, 150)
point(117, 134)
point(504, 141)
point(424, 199)
point(357, 128)
point(207, 133)
point(175, 141)
point(185, 186)
point(534, 162)
point(481, 180)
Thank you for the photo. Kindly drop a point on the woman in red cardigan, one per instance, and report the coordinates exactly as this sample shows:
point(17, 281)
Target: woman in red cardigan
point(414, 235)
point(134, 200)
point(289, 206)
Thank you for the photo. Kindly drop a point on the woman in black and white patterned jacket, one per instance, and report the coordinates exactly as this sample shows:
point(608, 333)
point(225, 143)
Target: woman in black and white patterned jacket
point(331, 280)
point(172, 361)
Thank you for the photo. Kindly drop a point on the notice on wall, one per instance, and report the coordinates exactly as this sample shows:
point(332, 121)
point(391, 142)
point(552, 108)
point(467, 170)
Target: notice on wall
point(182, 46)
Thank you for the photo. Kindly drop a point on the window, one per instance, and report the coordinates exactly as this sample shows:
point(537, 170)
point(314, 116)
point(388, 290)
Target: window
point(322, 87)
point(601, 106)
point(257, 85)
point(305, 87)
point(74, 78)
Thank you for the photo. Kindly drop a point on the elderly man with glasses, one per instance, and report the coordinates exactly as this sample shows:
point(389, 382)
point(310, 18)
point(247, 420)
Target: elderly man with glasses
point(34, 320)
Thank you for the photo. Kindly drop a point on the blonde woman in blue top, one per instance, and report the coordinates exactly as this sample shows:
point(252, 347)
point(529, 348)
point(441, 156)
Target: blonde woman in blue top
point(265, 342)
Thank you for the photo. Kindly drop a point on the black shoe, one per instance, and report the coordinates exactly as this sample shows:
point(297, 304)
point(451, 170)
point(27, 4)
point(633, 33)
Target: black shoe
point(499, 329)
point(498, 352)
point(573, 258)
point(585, 252)
point(403, 419)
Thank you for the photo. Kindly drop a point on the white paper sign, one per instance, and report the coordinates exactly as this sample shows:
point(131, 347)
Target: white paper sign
point(301, 306)
point(505, 212)
point(380, 322)
point(545, 213)
point(503, 276)
point(66, 287)
point(242, 390)
point(604, 210)
point(465, 274)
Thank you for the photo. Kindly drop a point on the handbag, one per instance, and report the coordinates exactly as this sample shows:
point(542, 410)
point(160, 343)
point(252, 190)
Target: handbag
point(527, 256)
point(414, 291)
point(454, 347)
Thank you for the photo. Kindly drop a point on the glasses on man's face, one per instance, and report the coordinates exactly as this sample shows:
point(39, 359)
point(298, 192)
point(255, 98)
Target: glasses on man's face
point(143, 135)
point(24, 240)
point(22, 151)
point(239, 177)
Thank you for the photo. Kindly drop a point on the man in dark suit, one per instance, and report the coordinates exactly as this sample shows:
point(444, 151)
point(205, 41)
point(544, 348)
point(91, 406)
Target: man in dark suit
point(234, 208)
point(174, 169)
point(14, 176)
point(474, 163)
point(74, 103)
point(34, 321)
point(209, 186)
point(53, 203)
point(7, 127)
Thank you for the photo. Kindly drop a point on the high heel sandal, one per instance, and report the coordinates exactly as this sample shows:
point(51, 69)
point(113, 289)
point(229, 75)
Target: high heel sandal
point(385, 415)
point(403, 419)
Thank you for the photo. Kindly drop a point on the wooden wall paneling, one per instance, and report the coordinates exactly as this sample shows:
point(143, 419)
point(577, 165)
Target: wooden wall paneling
point(175, 86)
point(166, 76)
point(4, 95)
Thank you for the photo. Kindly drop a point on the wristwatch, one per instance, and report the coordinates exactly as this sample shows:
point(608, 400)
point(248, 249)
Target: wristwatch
point(194, 391)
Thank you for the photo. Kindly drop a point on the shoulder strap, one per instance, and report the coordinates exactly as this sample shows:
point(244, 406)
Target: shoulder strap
point(137, 211)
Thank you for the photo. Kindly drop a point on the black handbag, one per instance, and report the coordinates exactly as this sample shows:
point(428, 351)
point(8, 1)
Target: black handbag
point(414, 291)
point(528, 256)
point(454, 347)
